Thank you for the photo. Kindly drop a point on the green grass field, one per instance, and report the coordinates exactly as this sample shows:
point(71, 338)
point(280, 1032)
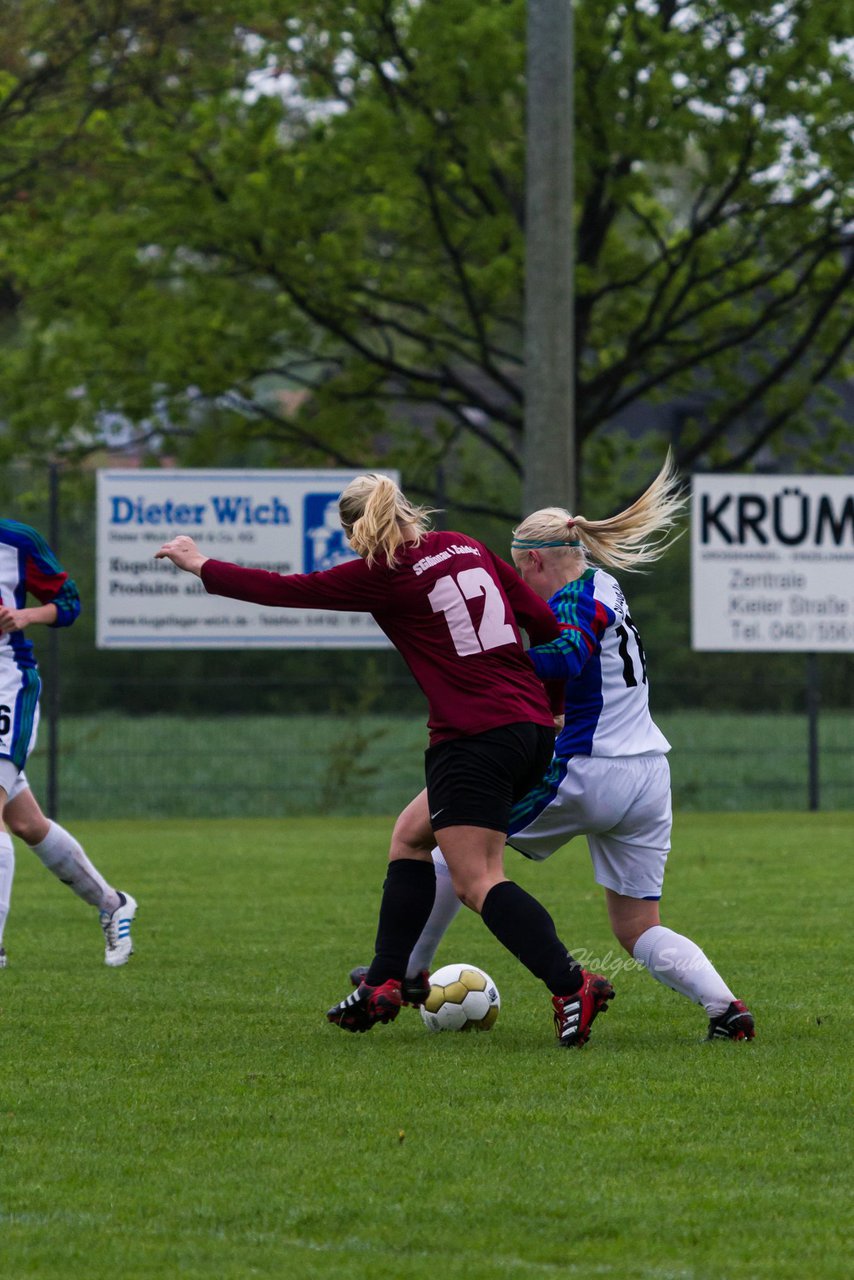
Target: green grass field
point(193, 1115)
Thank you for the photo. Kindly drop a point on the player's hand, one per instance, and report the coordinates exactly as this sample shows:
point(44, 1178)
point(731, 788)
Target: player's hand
point(13, 619)
point(559, 723)
point(183, 553)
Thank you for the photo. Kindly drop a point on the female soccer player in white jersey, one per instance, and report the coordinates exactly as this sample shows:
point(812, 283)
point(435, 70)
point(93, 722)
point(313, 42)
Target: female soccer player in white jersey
point(609, 779)
point(451, 609)
point(27, 565)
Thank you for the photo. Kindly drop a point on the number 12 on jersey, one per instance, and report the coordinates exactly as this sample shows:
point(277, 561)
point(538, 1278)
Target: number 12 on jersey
point(449, 596)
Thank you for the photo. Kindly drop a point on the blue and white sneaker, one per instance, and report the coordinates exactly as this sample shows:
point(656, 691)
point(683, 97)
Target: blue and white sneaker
point(116, 926)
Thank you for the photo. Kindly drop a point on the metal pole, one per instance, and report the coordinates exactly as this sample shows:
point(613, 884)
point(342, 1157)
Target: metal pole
point(53, 651)
point(812, 699)
point(549, 445)
point(440, 520)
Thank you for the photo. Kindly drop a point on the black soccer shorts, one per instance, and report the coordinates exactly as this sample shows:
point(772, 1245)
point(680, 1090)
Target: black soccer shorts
point(474, 781)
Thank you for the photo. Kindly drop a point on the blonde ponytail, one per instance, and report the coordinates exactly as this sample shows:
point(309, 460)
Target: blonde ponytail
point(375, 515)
point(636, 536)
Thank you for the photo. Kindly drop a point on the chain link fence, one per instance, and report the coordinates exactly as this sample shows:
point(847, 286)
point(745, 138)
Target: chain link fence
point(279, 733)
point(208, 762)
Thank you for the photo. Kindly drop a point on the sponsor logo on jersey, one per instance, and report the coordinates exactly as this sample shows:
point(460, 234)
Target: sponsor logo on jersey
point(456, 549)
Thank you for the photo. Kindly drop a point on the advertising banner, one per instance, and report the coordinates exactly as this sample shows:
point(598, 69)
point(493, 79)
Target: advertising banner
point(284, 521)
point(772, 563)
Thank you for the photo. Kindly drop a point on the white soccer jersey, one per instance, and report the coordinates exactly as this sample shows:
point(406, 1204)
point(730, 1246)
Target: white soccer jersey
point(600, 655)
point(27, 566)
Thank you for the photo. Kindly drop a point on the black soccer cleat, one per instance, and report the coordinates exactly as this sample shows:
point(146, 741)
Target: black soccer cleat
point(735, 1023)
point(573, 1015)
point(414, 990)
point(366, 1006)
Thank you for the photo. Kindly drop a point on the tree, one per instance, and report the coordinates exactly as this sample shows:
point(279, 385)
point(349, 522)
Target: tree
point(327, 198)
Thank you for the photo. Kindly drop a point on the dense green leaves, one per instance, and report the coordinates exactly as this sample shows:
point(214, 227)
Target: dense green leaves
point(306, 220)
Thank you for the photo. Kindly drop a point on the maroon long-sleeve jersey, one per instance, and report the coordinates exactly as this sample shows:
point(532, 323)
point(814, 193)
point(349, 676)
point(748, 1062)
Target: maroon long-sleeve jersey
point(449, 606)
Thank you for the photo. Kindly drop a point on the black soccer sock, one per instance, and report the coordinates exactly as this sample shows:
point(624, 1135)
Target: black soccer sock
point(408, 895)
point(525, 928)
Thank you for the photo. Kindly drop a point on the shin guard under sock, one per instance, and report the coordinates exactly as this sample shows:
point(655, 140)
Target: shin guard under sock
point(408, 894)
point(524, 927)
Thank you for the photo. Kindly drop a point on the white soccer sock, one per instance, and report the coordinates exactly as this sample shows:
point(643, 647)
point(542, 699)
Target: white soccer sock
point(445, 906)
point(7, 875)
point(678, 963)
point(62, 855)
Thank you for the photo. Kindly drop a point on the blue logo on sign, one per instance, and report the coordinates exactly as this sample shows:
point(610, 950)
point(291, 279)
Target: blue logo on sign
point(324, 544)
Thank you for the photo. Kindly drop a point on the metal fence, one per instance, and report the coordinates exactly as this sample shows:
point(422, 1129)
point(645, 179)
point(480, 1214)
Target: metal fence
point(340, 760)
point(127, 734)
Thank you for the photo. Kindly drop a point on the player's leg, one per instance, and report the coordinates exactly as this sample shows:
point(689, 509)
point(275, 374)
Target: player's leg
point(19, 697)
point(523, 925)
point(408, 892)
point(61, 853)
point(407, 900)
point(446, 906)
point(540, 823)
point(538, 828)
point(629, 862)
point(57, 849)
point(677, 962)
point(7, 855)
point(497, 769)
point(671, 958)
point(532, 813)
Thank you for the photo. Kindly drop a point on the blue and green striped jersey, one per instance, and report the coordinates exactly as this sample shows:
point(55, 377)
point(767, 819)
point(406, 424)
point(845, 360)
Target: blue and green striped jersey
point(29, 566)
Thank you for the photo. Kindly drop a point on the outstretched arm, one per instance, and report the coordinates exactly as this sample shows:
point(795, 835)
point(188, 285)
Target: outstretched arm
point(183, 553)
point(349, 587)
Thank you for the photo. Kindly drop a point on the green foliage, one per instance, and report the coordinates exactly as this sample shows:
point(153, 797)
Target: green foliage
point(194, 1115)
point(210, 208)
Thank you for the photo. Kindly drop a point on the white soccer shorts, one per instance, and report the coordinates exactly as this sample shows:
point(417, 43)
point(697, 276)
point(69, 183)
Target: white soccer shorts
point(622, 805)
point(19, 722)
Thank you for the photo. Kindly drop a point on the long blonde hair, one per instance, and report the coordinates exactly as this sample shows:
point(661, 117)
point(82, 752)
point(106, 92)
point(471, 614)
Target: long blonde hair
point(636, 536)
point(375, 513)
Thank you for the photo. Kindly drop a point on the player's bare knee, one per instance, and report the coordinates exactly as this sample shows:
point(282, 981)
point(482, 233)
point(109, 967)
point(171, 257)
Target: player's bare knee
point(412, 837)
point(471, 891)
point(403, 845)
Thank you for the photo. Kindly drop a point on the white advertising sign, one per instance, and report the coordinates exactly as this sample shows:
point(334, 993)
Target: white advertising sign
point(285, 521)
point(772, 563)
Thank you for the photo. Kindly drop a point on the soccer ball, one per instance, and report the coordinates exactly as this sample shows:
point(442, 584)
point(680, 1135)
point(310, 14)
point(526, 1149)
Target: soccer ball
point(461, 997)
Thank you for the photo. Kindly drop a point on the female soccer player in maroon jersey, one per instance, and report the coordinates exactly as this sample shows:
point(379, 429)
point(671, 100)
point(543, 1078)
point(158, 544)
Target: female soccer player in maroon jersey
point(452, 609)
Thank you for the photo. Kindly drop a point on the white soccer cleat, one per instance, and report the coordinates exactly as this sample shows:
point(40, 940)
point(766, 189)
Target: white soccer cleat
point(116, 928)
point(4, 959)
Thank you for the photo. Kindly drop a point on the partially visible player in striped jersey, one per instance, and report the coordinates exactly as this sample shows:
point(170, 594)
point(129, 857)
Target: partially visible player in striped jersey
point(28, 566)
point(609, 779)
